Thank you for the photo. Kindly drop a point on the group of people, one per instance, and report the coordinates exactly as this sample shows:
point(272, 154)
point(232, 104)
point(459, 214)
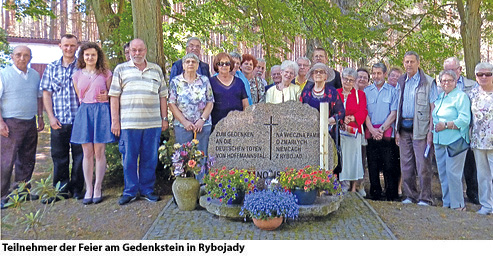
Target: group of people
point(393, 125)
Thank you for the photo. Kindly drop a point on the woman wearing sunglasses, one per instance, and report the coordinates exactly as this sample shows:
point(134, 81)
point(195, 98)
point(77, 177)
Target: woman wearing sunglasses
point(482, 134)
point(229, 91)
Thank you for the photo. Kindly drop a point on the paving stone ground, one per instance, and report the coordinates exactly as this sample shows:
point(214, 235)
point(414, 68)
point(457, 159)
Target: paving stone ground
point(355, 220)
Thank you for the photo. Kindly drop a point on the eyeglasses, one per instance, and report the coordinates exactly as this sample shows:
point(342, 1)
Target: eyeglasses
point(347, 80)
point(321, 72)
point(223, 64)
point(481, 74)
point(447, 81)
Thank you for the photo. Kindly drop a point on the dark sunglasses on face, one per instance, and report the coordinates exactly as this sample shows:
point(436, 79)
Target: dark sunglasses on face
point(223, 64)
point(481, 74)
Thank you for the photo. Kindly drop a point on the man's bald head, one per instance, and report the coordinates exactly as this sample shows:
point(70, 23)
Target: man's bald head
point(21, 56)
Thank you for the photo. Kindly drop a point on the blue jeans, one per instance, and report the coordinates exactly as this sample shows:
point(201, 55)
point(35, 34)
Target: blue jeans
point(139, 146)
point(184, 136)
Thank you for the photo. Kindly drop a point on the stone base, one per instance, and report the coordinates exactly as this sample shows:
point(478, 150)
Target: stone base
point(323, 206)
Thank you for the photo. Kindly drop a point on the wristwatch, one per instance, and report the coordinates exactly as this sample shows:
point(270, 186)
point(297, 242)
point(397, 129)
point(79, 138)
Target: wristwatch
point(165, 118)
point(203, 119)
point(446, 127)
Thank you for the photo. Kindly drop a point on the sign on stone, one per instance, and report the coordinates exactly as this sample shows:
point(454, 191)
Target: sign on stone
point(268, 137)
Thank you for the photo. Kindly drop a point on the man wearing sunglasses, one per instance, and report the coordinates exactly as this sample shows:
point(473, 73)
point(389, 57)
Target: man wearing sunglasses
point(193, 46)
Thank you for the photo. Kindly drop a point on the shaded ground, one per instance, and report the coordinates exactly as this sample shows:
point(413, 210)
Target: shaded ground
point(69, 219)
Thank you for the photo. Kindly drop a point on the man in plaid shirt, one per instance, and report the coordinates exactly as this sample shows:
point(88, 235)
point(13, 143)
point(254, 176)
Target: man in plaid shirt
point(61, 104)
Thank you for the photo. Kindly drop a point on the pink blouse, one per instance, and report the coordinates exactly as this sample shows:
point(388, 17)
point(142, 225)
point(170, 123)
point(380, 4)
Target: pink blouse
point(90, 85)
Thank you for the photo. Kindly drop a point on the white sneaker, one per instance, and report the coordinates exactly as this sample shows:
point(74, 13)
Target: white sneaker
point(484, 211)
point(423, 203)
point(407, 201)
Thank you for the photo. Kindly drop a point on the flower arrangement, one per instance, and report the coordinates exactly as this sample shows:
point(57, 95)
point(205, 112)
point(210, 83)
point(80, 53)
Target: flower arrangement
point(310, 178)
point(185, 161)
point(225, 185)
point(268, 204)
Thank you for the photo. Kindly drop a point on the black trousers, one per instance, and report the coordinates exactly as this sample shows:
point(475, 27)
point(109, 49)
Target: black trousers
point(471, 176)
point(60, 154)
point(383, 156)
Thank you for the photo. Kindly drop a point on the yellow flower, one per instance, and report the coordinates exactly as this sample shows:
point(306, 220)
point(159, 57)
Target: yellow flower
point(195, 141)
point(177, 146)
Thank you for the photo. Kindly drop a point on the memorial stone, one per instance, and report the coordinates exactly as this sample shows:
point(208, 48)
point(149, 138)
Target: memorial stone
point(269, 137)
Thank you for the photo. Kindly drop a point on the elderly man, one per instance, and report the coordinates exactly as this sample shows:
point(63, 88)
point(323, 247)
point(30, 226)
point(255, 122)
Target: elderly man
point(320, 56)
point(20, 101)
point(470, 174)
point(304, 64)
point(414, 130)
point(394, 74)
point(259, 70)
point(193, 46)
point(381, 99)
point(139, 112)
point(61, 104)
point(275, 74)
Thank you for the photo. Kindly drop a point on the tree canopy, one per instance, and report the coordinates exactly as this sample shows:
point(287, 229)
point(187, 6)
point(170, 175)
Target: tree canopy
point(356, 33)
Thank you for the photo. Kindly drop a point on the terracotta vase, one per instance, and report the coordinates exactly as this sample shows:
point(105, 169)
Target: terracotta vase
point(186, 192)
point(269, 224)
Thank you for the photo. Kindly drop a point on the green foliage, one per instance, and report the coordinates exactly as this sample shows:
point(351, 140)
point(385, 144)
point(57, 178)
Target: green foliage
point(28, 216)
point(32, 8)
point(4, 48)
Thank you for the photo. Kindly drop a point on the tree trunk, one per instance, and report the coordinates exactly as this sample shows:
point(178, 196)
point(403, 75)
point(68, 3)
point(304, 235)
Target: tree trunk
point(107, 22)
point(63, 17)
point(470, 30)
point(53, 32)
point(148, 25)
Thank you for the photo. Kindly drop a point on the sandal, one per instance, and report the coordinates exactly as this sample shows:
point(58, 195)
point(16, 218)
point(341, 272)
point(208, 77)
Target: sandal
point(460, 209)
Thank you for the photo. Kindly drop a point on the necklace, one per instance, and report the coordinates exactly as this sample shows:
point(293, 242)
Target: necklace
point(90, 73)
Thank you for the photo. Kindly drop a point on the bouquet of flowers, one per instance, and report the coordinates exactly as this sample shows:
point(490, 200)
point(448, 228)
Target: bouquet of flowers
point(185, 161)
point(268, 204)
point(310, 178)
point(227, 185)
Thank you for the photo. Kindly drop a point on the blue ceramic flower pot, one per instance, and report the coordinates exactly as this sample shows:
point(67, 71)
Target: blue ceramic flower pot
point(305, 197)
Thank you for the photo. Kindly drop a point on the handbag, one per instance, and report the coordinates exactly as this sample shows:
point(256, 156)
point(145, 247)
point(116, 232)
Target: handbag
point(387, 135)
point(457, 147)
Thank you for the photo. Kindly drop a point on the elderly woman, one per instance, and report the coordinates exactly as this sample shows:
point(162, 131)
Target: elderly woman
point(451, 117)
point(191, 101)
point(255, 85)
point(285, 90)
point(317, 90)
point(482, 134)
point(229, 91)
point(351, 132)
point(363, 79)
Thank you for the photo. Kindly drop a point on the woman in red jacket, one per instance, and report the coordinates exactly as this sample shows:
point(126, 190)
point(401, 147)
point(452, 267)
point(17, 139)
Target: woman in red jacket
point(351, 132)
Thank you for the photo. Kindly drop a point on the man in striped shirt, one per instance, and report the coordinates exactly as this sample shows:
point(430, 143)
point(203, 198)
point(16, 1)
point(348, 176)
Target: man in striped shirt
point(138, 115)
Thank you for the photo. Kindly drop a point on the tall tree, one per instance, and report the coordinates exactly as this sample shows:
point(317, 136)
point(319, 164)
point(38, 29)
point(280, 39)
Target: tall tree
point(148, 25)
point(114, 21)
point(470, 30)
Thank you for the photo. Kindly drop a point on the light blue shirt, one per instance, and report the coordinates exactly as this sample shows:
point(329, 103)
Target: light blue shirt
point(381, 102)
point(409, 94)
point(455, 107)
